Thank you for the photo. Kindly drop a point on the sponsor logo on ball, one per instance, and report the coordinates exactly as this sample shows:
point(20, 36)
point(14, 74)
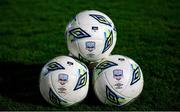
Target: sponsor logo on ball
point(118, 74)
point(62, 79)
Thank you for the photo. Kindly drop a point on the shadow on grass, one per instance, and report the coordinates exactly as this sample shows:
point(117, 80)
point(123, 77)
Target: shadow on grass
point(20, 83)
point(91, 98)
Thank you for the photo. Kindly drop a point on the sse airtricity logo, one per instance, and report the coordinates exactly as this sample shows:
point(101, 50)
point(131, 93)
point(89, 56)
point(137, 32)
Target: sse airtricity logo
point(90, 46)
point(117, 74)
point(63, 78)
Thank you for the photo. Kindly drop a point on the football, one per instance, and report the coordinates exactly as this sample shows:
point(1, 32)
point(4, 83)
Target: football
point(117, 80)
point(64, 81)
point(91, 36)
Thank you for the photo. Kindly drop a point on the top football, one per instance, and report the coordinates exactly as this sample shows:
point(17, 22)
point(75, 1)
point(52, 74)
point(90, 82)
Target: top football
point(91, 36)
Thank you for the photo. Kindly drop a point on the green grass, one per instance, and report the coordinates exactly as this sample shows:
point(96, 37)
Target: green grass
point(32, 33)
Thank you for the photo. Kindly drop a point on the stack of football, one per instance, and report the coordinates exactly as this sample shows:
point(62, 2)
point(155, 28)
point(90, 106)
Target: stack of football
point(91, 37)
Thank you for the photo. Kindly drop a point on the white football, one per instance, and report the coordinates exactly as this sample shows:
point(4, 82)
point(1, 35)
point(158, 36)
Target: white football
point(117, 80)
point(64, 81)
point(91, 36)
